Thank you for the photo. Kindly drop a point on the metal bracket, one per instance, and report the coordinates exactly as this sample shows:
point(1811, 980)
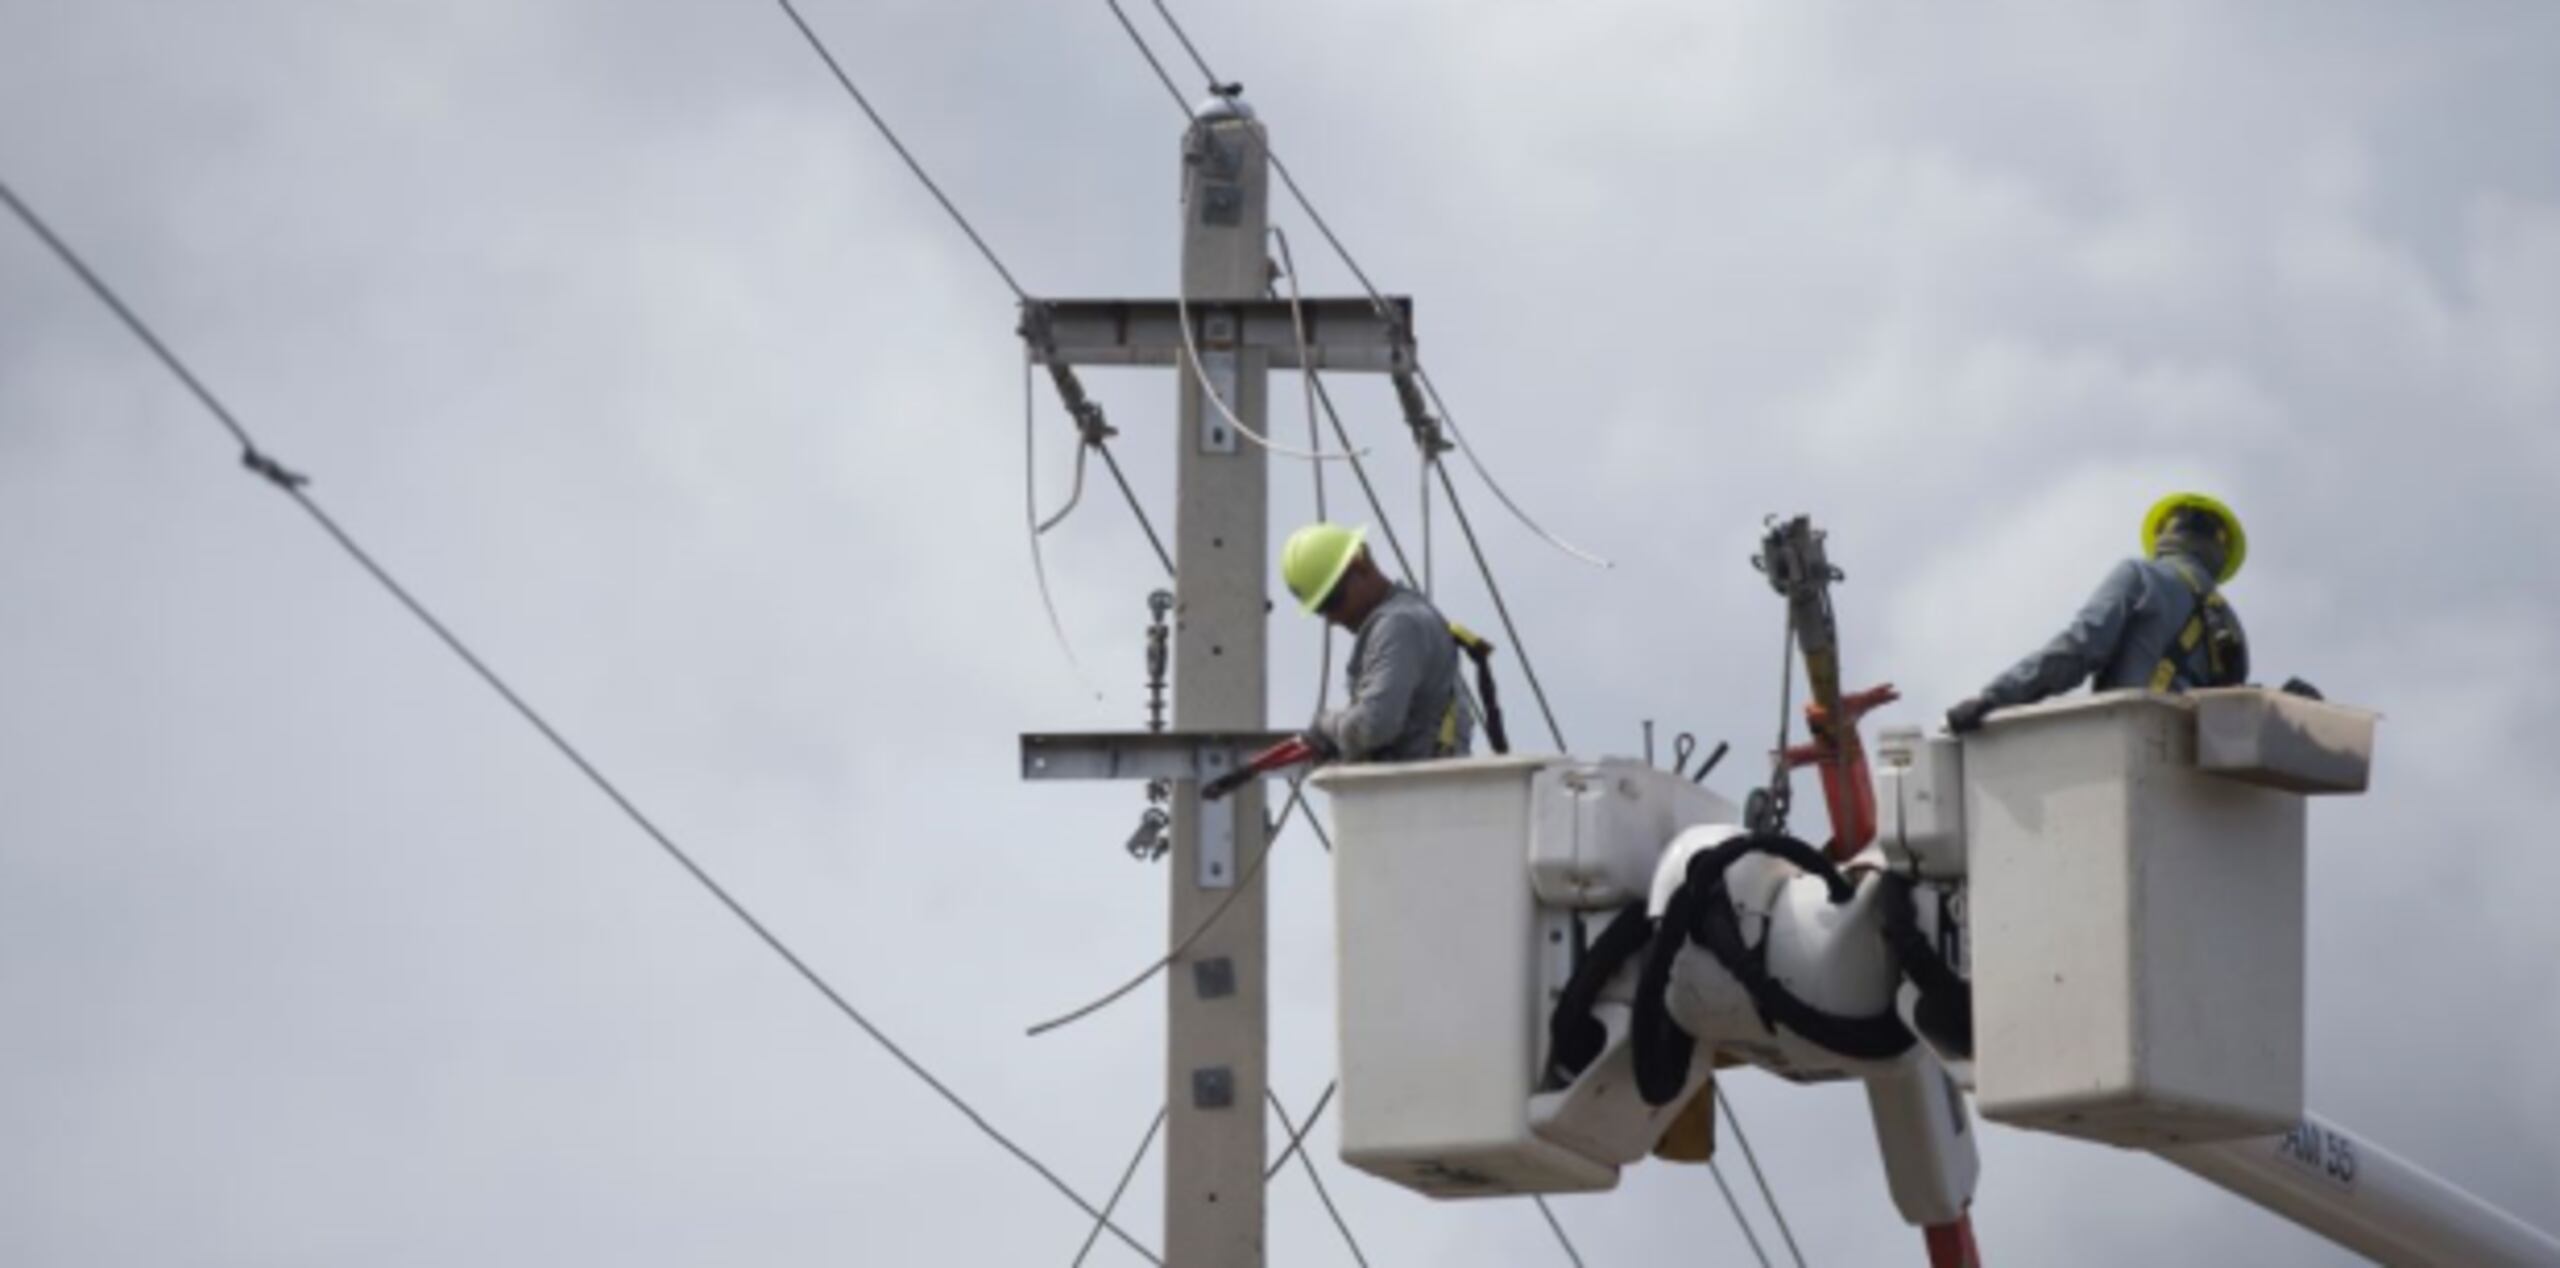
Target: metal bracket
point(1214, 978)
point(1213, 1087)
point(1344, 333)
point(1183, 755)
point(1138, 754)
point(1216, 867)
point(1221, 203)
point(1218, 372)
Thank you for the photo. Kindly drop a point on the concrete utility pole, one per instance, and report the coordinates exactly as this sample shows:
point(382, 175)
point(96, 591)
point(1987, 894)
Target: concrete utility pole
point(1217, 993)
point(1218, 1014)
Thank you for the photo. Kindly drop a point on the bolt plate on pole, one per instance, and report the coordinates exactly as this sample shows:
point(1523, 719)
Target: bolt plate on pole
point(1213, 1087)
point(1217, 865)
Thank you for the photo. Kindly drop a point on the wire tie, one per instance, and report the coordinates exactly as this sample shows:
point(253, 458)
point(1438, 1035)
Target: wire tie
point(1090, 422)
point(275, 472)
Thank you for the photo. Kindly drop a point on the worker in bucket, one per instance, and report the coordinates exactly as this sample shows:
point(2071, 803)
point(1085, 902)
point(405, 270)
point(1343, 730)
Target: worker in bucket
point(1406, 704)
point(2158, 622)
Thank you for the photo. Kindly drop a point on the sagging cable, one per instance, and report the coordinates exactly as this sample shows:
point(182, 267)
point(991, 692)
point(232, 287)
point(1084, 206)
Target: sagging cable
point(1252, 873)
point(1031, 520)
point(1093, 430)
point(1499, 494)
point(1209, 392)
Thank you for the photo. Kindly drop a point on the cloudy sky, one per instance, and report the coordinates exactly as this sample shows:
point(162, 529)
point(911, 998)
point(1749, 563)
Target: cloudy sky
point(615, 330)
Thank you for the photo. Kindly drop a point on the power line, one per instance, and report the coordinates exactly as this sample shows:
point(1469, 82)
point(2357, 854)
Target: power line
point(1122, 1188)
point(1754, 1159)
point(1308, 1161)
point(1148, 53)
point(1081, 410)
point(1324, 680)
point(1736, 1208)
point(1298, 1134)
point(1111, 463)
point(1377, 298)
point(820, 47)
point(1031, 517)
point(292, 485)
point(1252, 873)
point(1395, 320)
point(1558, 1227)
point(1093, 430)
point(1209, 391)
point(1386, 524)
point(1528, 668)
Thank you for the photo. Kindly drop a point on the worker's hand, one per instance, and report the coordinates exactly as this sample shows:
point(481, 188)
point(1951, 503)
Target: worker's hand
point(1967, 716)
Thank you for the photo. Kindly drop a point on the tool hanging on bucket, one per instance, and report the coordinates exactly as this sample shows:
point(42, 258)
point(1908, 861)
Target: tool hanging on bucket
point(1798, 568)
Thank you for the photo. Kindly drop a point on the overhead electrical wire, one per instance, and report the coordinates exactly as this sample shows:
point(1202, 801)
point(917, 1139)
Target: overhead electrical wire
point(1252, 872)
point(819, 46)
point(1387, 311)
point(1324, 685)
point(1318, 396)
point(1377, 298)
point(1308, 1162)
point(1085, 440)
point(1031, 516)
point(1144, 50)
point(292, 485)
point(1753, 1158)
point(1210, 392)
point(1298, 1134)
point(1502, 610)
point(1368, 490)
point(1736, 1207)
point(1111, 464)
point(1306, 361)
point(1557, 1226)
point(1121, 1189)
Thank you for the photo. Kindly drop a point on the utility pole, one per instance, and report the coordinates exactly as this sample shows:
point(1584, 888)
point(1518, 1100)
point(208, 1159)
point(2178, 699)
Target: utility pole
point(1217, 1029)
point(1217, 992)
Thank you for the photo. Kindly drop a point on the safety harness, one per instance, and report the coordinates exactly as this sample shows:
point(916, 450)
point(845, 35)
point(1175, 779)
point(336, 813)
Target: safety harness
point(1479, 649)
point(2210, 627)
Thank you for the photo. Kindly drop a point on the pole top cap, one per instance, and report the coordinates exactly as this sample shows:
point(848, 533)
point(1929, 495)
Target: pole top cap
point(1225, 103)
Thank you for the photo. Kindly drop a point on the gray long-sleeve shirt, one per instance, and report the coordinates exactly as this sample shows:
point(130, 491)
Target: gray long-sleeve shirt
point(1404, 683)
point(2119, 637)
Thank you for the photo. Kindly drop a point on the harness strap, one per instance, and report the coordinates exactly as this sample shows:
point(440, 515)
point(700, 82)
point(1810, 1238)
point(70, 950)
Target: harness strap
point(1945, 1012)
point(1701, 911)
point(1479, 649)
point(1574, 1036)
point(2164, 676)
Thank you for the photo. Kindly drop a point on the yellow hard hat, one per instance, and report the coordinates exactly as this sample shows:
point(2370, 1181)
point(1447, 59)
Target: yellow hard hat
point(1313, 561)
point(2234, 551)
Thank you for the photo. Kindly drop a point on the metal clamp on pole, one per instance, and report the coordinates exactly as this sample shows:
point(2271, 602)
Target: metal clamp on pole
point(1200, 757)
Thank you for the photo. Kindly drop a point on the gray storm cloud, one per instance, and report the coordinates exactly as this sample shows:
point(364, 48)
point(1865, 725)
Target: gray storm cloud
point(614, 330)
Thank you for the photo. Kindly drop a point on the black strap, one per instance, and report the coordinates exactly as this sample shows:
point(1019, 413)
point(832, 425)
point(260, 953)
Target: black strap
point(1574, 1036)
point(1701, 911)
point(1662, 1049)
point(1945, 1012)
point(1480, 650)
